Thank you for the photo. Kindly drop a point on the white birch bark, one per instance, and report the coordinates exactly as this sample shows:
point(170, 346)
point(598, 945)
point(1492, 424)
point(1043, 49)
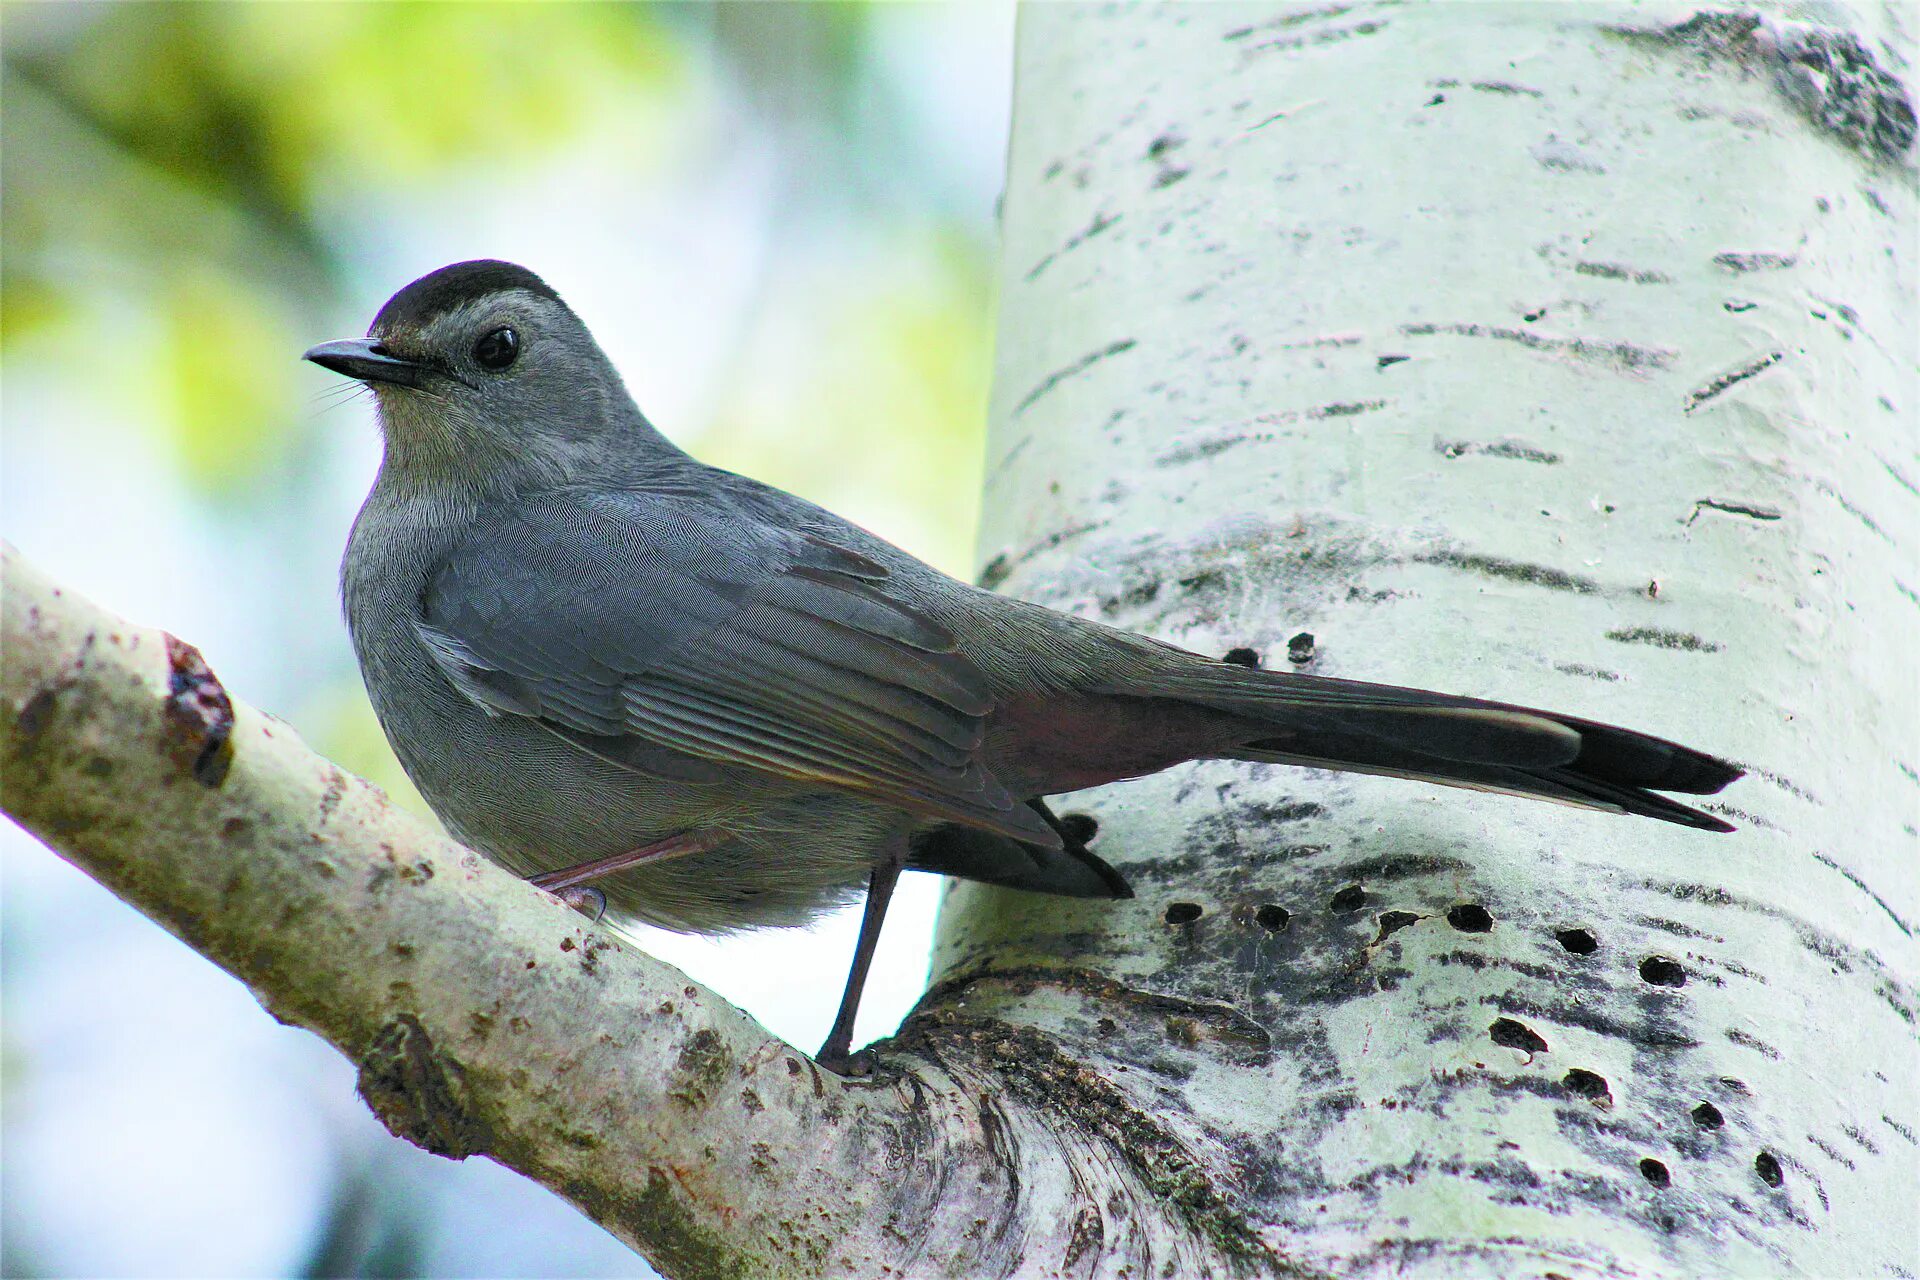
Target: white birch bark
point(1559, 353)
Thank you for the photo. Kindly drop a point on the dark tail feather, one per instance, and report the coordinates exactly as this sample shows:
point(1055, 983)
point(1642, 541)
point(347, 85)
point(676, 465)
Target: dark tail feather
point(1071, 871)
point(1462, 742)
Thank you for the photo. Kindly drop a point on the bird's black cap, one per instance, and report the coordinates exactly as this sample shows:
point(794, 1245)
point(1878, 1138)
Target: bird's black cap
point(441, 291)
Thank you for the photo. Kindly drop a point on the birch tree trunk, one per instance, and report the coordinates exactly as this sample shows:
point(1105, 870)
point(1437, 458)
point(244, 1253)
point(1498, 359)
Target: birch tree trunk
point(1562, 354)
point(1513, 351)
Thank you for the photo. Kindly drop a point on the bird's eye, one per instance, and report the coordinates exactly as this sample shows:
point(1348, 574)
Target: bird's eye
point(497, 350)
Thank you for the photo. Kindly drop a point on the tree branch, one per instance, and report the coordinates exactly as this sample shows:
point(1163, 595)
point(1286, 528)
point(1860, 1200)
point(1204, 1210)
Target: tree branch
point(489, 1019)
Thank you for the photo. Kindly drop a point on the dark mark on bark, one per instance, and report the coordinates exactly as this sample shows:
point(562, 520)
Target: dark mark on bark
point(1334, 36)
point(1572, 1014)
point(1470, 917)
point(200, 714)
point(1502, 87)
point(1590, 1085)
point(37, 714)
point(1512, 450)
point(1346, 409)
point(1580, 942)
point(1747, 1041)
point(1752, 510)
point(1514, 1034)
point(1745, 263)
point(1300, 649)
point(1615, 271)
point(1001, 567)
point(1222, 1023)
point(1385, 362)
point(419, 1093)
point(1899, 922)
point(1872, 525)
point(330, 797)
point(1100, 223)
point(1623, 356)
point(1079, 366)
point(1833, 1153)
point(702, 1068)
point(1899, 476)
point(1662, 972)
point(1828, 75)
point(1663, 639)
point(1086, 1237)
point(1556, 156)
point(1286, 20)
point(1512, 570)
point(1391, 922)
point(1700, 395)
point(1591, 673)
point(1160, 152)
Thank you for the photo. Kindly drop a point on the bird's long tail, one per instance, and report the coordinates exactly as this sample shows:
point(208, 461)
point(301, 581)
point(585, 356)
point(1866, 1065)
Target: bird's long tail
point(1461, 742)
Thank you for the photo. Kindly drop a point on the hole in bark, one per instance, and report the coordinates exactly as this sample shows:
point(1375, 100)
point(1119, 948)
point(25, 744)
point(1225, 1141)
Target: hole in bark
point(1708, 1116)
point(1351, 898)
point(1470, 917)
point(1662, 972)
point(1768, 1168)
point(1590, 1085)
point(1392, 922)
point(1272, 918)
point(1300, 648)
point(1516, 1035)
point(1655, 1172)
point(1578, 941)
point(1079, 826)
point(1242, 657)
point(1183, 912)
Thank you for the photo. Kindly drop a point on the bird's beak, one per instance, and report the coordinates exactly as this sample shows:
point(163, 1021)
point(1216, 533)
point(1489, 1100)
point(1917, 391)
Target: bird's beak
point(367, 360)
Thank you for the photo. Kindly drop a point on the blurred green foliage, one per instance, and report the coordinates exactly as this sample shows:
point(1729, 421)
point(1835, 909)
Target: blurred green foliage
point(193, 150)
point(191, 193)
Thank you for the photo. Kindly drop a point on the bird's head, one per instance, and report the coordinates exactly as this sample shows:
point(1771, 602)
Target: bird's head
point(481, 372)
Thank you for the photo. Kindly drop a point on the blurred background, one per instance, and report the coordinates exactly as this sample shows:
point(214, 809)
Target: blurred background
point(777, 218)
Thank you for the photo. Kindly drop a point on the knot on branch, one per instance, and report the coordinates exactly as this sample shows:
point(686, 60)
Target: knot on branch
point(419, 1094)
point(200, 713)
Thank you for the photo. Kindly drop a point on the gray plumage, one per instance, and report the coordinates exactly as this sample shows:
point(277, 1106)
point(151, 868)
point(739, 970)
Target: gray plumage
point(580, 640)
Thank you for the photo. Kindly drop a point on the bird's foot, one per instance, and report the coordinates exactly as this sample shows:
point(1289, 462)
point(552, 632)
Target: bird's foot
point(853, 1066)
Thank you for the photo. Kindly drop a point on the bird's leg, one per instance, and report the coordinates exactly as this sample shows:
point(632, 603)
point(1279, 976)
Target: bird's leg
point(834, 1054)
point(558, 882)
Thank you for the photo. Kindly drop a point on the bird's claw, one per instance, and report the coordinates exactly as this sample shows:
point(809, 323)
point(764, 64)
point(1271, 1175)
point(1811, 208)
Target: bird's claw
point(853, 1066)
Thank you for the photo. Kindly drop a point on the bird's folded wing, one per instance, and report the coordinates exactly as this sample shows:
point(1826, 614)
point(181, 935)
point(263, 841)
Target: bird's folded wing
point(649, 626)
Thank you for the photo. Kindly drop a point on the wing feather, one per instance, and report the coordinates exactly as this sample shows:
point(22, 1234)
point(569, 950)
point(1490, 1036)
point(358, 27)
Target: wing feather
point(646, 628)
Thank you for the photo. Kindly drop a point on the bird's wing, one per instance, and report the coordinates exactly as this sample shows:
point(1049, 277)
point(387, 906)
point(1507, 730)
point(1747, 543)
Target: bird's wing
point(654, 627)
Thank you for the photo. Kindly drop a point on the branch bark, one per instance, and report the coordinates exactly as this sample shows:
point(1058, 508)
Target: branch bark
point(486, 1017)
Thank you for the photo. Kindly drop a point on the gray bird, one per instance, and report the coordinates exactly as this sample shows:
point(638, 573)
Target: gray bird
point(607, 664)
